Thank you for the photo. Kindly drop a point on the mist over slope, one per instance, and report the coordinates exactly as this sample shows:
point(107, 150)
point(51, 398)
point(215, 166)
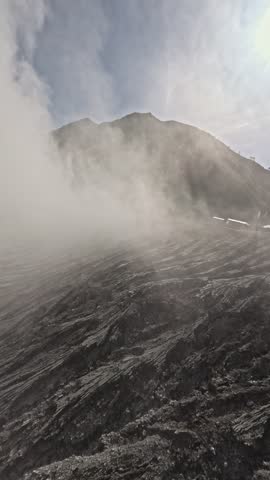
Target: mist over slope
point(150, 361)
point(134, 341)
point(183, 166)
point(140, 356)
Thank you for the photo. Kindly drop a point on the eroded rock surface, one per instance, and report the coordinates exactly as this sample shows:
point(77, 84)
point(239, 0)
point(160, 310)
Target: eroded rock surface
point(151, 362)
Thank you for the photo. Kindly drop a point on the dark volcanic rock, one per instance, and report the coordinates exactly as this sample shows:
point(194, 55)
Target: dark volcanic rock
point(149, 363)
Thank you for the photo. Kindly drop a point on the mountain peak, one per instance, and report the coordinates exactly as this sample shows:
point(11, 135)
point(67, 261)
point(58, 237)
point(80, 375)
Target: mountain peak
point(83, 122)
point(190, 165)
point(138, 115)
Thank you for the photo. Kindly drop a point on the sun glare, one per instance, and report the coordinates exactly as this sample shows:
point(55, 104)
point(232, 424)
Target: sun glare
point(262, 38)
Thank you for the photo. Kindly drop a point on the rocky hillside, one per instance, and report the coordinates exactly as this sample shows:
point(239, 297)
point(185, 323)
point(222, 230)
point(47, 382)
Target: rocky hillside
point(142, 355)
point(148, 361)
point(189, 167)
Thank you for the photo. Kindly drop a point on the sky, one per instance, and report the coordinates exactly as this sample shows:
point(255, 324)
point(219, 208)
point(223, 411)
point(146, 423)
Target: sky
point(202, 62)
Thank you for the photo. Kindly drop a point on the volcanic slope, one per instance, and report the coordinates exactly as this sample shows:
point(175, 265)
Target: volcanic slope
point(148, 362)
point(187, 166)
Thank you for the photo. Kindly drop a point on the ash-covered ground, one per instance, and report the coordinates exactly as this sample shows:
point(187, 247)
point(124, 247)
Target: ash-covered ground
point(147, 361)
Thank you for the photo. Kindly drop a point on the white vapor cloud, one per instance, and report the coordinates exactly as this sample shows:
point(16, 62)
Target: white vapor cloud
point(35, 199)
point(27, 19)
point(26, 174)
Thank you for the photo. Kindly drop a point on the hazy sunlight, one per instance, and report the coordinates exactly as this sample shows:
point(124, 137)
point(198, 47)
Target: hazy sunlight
point(263, 36)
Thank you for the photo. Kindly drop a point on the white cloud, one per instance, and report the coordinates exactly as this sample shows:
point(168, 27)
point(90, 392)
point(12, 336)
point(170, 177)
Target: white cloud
point(35, 199)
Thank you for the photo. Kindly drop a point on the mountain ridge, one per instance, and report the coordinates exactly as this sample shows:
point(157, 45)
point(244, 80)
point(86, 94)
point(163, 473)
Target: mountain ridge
point(85, 120)
point(191, 167)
